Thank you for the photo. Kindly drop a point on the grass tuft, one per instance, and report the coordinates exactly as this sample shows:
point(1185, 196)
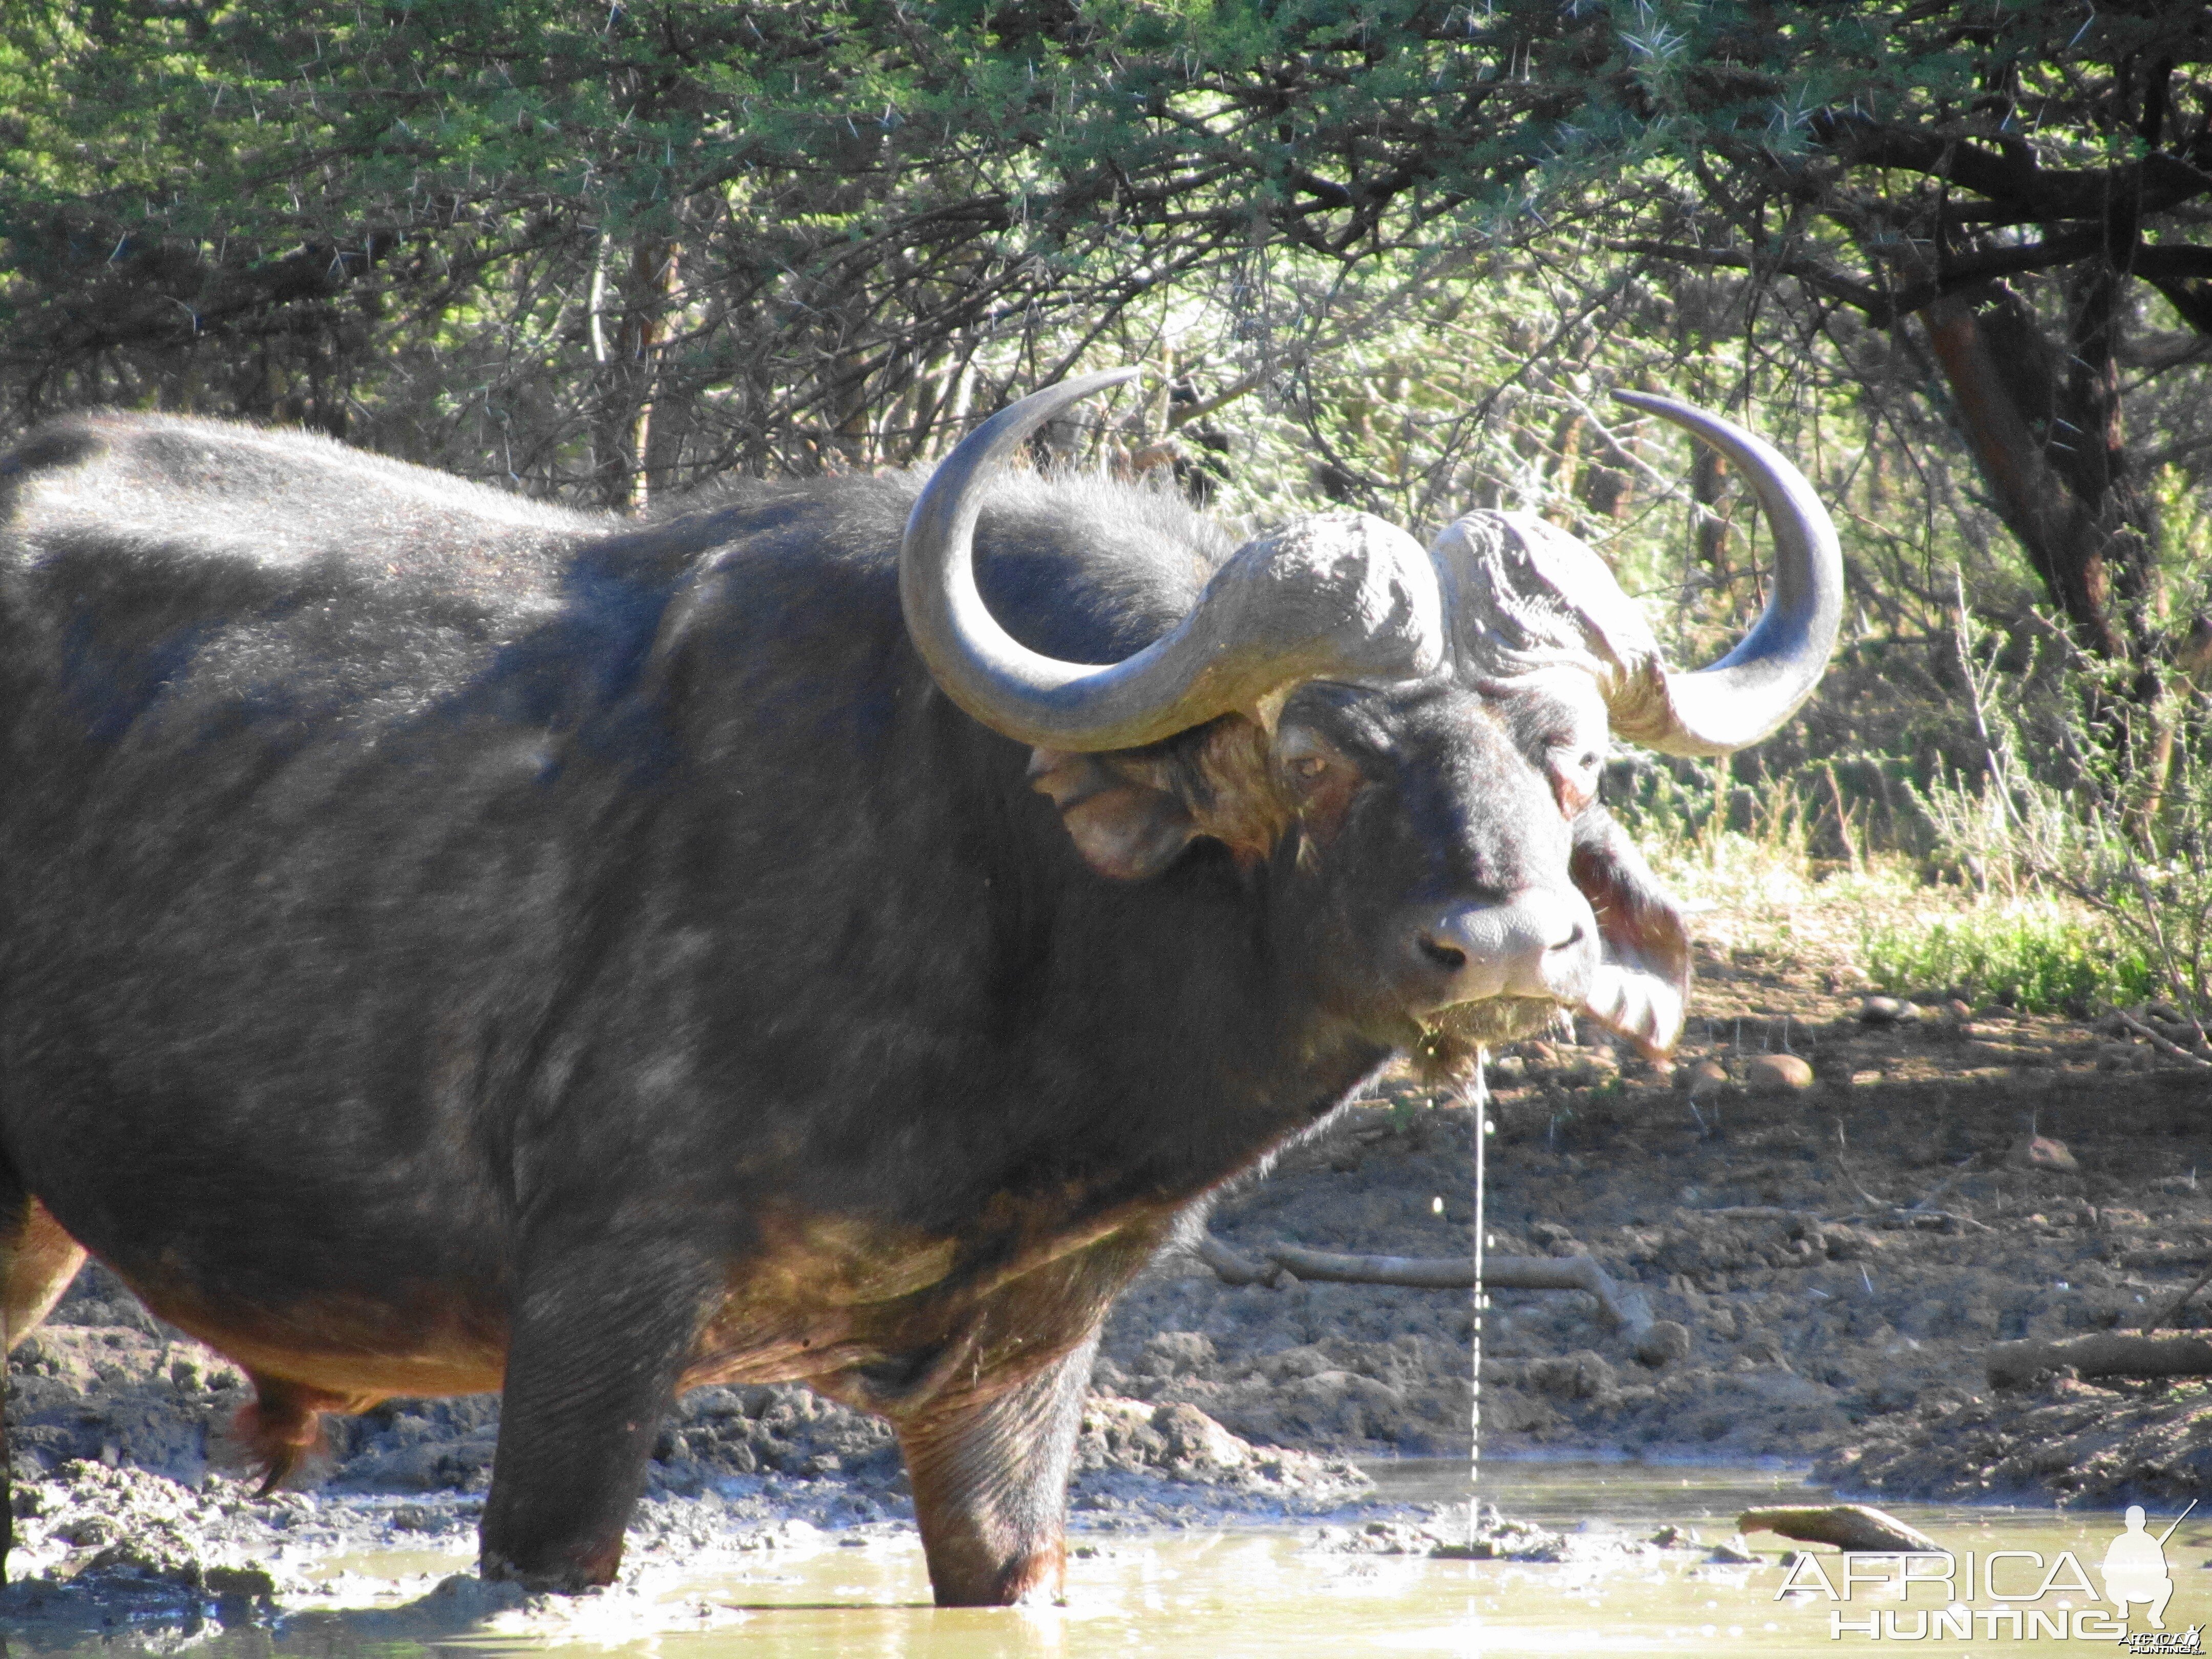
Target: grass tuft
point(2032, 955)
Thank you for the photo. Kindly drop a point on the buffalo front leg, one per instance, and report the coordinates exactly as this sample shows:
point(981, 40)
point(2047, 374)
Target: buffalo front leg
point(600, 1338)
point(37, 1262)
point(990, 1485)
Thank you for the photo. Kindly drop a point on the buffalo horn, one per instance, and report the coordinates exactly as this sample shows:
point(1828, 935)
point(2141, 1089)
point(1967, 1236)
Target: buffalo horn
point(1337, 596)
point(1750, 692)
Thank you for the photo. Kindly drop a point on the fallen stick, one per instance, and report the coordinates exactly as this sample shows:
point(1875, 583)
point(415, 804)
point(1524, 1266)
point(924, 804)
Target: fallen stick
point(2159, 1041)
point(1232, 1269)
point(2174, 1310)
point(1853, 1527)
point(2168, 1255)
point(1749, 1212)
point(1852, 1180)
point(1626, 1309)
point(1929, 1197)
point(2015, 1364)
point(1913, 1217)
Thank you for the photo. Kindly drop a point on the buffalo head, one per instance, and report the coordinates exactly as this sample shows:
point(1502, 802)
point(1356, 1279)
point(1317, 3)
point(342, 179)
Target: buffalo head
point(1412, 737)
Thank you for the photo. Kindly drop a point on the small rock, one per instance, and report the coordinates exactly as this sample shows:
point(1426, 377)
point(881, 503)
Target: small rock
point(1734, 1553)
point(1960, 1009)
point(1887, 1011)
point(2042, 1152)
point(1764, 1348)
point(1175, 1353)
point(1664, 1341)
point(1581, 1374)
point(242, 1582)
point(1705, 1077)
point(1556, 1240)
point(1776, 1074)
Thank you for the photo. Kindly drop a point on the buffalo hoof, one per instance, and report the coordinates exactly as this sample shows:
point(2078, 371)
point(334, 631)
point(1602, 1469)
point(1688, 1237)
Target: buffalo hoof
point(584, 1571)
point(1036, 1581)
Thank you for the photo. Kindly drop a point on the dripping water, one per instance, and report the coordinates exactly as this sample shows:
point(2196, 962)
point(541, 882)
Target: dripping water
point(1476, 1095)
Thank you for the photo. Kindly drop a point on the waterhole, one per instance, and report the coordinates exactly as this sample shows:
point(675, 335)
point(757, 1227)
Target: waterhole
point(1270, 1593)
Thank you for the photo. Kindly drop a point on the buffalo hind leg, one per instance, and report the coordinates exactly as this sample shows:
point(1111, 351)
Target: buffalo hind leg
point(600, 1335)
point(990, 1485)
point(37, 1262)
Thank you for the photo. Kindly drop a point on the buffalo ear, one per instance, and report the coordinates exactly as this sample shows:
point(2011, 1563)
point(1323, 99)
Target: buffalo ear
point(1125, 828)
point(1642, 988)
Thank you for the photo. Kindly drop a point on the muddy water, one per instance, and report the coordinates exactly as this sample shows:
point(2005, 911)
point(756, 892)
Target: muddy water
point(1272, 1594)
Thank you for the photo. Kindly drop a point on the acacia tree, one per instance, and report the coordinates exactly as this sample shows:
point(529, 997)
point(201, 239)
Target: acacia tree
point(499, 234)
point(605, 251)
point(2016, 188)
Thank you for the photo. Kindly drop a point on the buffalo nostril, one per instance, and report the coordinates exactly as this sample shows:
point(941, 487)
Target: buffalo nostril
point(1450, 957)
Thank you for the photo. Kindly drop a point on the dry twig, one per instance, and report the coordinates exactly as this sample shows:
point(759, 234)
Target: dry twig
point(1853, 1180)
point(2165, 1045)
point(2173, 1312)
point(1625, 1307)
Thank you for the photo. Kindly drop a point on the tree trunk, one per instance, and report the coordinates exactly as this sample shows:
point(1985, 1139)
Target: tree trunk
point(2106, 1354)
point(628, 368)
point(2049, 447)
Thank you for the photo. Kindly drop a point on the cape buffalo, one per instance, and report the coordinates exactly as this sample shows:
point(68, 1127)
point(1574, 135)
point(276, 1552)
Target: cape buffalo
point(448, 944)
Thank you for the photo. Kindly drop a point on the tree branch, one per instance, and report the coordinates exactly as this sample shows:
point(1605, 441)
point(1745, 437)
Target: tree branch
point(1626, 1309)
point(2107, 1353)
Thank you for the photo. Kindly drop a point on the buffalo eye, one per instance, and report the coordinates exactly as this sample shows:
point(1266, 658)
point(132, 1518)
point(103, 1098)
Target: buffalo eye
point(1322, 782)
point(1573, 771)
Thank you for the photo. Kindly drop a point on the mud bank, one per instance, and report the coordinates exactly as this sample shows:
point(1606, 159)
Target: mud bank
point(1840, 1256)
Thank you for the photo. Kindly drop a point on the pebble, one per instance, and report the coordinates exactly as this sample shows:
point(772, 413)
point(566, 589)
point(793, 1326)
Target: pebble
point(1663, 1341)
point(1887, 1011)
point(2042, 1152)
point(1776, 1074)
point(1703, 1078)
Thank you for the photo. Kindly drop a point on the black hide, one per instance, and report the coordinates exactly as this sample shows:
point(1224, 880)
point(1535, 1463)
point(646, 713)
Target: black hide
point(443, 938)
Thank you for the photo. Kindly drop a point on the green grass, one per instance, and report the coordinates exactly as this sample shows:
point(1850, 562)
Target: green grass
point(2036, 956)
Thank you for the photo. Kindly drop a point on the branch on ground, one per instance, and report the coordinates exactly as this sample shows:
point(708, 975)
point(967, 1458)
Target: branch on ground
point(1626, 1308)
point(2174, 1308)
point(1848, 1527)
point(2164, 1044)
point(2111, 1353)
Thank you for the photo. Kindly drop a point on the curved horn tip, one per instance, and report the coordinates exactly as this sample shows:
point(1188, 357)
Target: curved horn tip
point(1075, 387)
point(1749, 694)
point(982, 450)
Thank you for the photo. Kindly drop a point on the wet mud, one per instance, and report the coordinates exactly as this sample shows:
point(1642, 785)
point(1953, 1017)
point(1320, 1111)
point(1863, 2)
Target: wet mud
point(1840, 1242)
